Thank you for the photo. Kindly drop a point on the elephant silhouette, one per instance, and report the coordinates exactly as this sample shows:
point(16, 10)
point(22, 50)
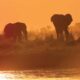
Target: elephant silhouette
point(15, 31)
point(61, 23)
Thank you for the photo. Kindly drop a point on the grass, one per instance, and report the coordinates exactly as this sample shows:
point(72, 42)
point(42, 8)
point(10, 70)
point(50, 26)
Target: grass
point(38, 54)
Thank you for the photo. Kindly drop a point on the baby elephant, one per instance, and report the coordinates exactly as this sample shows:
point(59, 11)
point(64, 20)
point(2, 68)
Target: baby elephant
point(15, 31)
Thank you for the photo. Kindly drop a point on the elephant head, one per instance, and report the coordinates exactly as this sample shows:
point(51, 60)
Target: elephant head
point(61, 23)
point(8, 30)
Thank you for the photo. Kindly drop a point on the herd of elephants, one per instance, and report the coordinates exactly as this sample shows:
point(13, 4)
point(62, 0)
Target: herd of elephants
point(61, 22)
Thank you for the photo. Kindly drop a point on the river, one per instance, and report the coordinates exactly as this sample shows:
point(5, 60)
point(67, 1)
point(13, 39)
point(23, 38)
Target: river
point(40, 75)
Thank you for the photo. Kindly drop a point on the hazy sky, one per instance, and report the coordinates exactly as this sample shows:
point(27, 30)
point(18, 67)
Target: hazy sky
point(36, 13)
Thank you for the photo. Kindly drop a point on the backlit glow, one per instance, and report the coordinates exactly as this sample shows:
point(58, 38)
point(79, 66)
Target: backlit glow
point(15, 76)
point(36, 13)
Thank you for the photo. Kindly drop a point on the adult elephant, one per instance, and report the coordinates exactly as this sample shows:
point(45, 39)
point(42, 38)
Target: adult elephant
point(15, 31)
point(61, 23)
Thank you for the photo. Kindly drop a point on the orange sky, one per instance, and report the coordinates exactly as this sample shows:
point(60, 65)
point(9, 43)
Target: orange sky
point(36, 13)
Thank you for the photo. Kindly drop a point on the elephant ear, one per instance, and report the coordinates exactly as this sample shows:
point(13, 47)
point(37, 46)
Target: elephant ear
point(54, 17)
point(68, 19)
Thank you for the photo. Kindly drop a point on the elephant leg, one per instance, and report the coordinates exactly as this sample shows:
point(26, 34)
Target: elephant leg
point(14, 36)
point(19, 36)
point(25, 34)
point(61, 36)
point(57, 32)
point(58, 35)
point(66, 34)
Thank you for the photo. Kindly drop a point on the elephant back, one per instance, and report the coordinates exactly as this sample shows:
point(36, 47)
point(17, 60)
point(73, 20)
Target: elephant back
point(20, 26)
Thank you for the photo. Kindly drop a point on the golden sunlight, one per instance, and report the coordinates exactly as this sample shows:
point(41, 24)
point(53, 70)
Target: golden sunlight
point(36, 13)
point(3, 77)
point(10, 76)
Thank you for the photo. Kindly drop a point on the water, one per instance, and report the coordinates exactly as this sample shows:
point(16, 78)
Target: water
point(40, 75)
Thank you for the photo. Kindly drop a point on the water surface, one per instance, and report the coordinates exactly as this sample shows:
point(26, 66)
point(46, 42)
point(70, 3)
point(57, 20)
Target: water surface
point(40, 75)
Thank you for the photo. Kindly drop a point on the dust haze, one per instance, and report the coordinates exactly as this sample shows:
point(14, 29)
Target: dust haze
point(41, 50)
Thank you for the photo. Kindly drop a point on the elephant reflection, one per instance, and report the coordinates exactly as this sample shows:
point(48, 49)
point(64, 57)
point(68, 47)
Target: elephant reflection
point(61, 23)
point(15, 31)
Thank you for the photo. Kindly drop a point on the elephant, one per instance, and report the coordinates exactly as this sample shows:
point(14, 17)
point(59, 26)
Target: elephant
point(61, 23)
point(16, 31)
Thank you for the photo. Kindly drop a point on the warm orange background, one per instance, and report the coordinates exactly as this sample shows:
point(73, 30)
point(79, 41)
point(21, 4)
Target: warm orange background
point(36, 13)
